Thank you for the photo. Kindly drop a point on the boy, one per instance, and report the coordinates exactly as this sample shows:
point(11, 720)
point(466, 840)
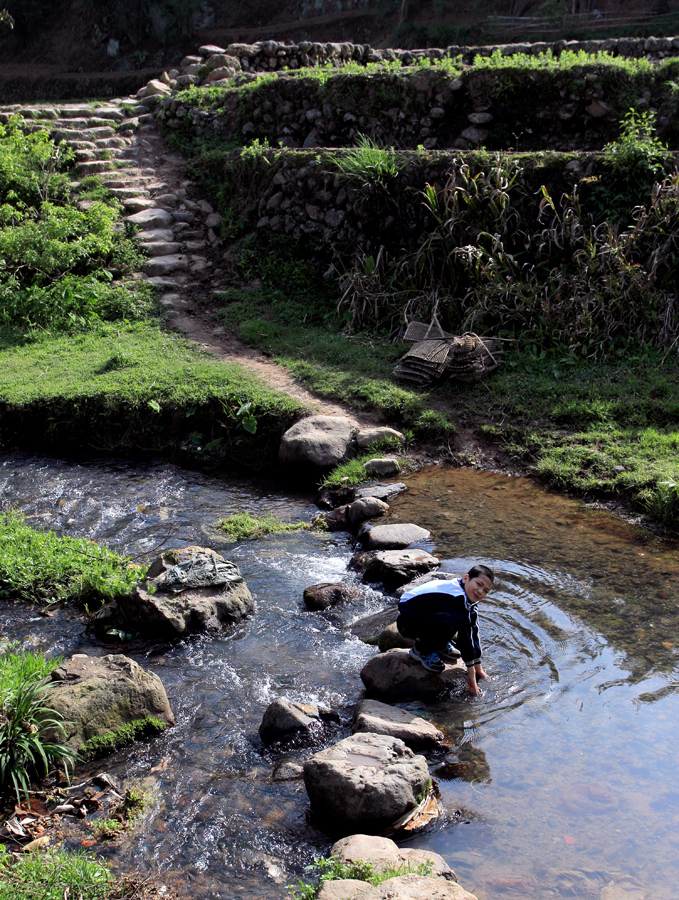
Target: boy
point(434, 613)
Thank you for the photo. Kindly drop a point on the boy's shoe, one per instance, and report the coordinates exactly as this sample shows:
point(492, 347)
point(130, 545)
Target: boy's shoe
point(430, 661)
point(449, 652)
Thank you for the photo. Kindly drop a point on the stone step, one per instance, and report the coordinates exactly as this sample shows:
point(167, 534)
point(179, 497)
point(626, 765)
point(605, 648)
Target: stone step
point(81, 145)
point(137, 203)
point(162, 248)
point(125, 193)
point(155, 235)
point(112, 113)
point(88, 134)
point(112, 142)
point(162, 266)
point(96, 166)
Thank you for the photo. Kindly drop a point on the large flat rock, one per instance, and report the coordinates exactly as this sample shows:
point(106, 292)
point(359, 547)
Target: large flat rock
point(393, 567)
point(381, 718)
point(365, 783)
point(393, 677)
point(395, 537)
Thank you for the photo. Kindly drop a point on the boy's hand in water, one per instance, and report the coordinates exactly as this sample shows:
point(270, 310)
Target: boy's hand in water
point(472, 686)
point(473, 673)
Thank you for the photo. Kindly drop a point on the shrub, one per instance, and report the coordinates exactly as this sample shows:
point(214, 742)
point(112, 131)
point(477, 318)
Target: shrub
point(26, 721)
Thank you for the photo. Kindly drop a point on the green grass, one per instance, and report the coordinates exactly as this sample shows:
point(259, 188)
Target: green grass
point(355, 369)
point(605, 430)
point(245, 526)
point(53, 876)
point(42, 566)
point(134, 386)
point(332, 870)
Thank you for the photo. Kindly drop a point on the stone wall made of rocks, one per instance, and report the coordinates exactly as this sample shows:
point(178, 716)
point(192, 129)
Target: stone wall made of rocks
point(579, 109)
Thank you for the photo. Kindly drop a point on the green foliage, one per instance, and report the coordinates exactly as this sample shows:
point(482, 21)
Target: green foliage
point(332, 869)
point(42, 566)
point(245, 526)
point(125, 736)
point(368, 165)
point(53, 875)
point(552, 276)
point(27, 751)
point(56, 261)
point(636, 164)
point(353, 471)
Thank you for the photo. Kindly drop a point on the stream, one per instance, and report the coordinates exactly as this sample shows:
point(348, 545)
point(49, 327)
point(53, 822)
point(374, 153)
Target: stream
point(565, 780)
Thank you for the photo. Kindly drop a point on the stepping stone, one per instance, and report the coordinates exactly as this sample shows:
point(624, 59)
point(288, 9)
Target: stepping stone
point(384, 492)
point(383, 467)
point(365, 508)
point(364, 783)
point(369, 436)
point(165, 265)
point(380, 718)
point(150, 218)
point(393, 567)
point(284, 719)
point(394, 677)
point(395, 537)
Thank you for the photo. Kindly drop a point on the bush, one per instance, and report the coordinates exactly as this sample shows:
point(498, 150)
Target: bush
point(26, 719)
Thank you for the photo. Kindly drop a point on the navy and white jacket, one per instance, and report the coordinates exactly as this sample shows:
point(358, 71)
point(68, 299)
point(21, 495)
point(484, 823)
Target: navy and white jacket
point(446, 597)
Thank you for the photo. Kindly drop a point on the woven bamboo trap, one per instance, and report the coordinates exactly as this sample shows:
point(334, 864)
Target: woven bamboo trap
point(436, 354)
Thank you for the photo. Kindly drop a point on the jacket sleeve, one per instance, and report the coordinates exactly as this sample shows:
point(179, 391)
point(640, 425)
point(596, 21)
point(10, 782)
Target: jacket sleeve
point(468, 640)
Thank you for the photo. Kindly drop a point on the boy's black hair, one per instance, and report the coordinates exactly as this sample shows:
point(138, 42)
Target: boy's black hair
point(475, 571)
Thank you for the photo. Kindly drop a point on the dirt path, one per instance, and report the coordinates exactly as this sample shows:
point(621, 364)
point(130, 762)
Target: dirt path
point(120, 143)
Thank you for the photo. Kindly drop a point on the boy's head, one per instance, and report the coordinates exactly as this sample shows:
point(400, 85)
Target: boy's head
point(478, 582)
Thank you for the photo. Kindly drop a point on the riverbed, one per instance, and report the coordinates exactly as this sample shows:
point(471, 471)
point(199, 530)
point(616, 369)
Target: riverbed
point(565, 779)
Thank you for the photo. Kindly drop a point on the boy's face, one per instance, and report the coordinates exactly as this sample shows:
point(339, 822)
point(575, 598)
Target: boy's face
point(477, 588)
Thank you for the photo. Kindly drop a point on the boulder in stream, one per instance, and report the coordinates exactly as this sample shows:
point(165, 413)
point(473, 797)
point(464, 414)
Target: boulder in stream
point(369, 628)
point(319, 441)
point(395, 537)
point(185, 591)
point(393, 677)
point(402, 887)
point(382, 491)
point(393, 567)
point(365, 508)
point(325, 594)
point(106, 700)
point(285, 720)
point(381, 718)
point(385, 855)
point(365, 782)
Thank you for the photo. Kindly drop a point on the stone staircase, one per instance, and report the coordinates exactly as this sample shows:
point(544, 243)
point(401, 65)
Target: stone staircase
point(119, 143)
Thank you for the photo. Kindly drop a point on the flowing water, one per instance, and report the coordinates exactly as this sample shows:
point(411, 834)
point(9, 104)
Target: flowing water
point(564, 782)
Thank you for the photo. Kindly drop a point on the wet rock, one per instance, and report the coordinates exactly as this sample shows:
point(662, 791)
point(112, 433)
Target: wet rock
point(392, 638)
point(365, 782)
point(385, 855)
point(186, 591)
point(395, 537)
point(98, 695)
point(385, 492)
point(380, 718)
point(369, 628)
point(393, 567)
point(394, 677)
point(330, 498)
point(319, 441)
point(335, 519)
point(321, 596)
point(284, 720)
point(368, 436)
point(365, 508)
point(383, 467)
point(415, 887)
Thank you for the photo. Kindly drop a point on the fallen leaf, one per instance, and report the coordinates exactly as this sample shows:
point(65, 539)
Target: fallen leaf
point(163, 764)
point(36, 844)
point(88, 843)
point(668, 644)
point(569, 839)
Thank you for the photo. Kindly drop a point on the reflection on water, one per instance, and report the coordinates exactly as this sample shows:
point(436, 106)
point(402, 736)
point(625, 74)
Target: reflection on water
point(563, 781)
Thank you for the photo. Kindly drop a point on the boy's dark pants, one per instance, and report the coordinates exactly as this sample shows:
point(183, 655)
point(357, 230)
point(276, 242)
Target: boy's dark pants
point(430, 632)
